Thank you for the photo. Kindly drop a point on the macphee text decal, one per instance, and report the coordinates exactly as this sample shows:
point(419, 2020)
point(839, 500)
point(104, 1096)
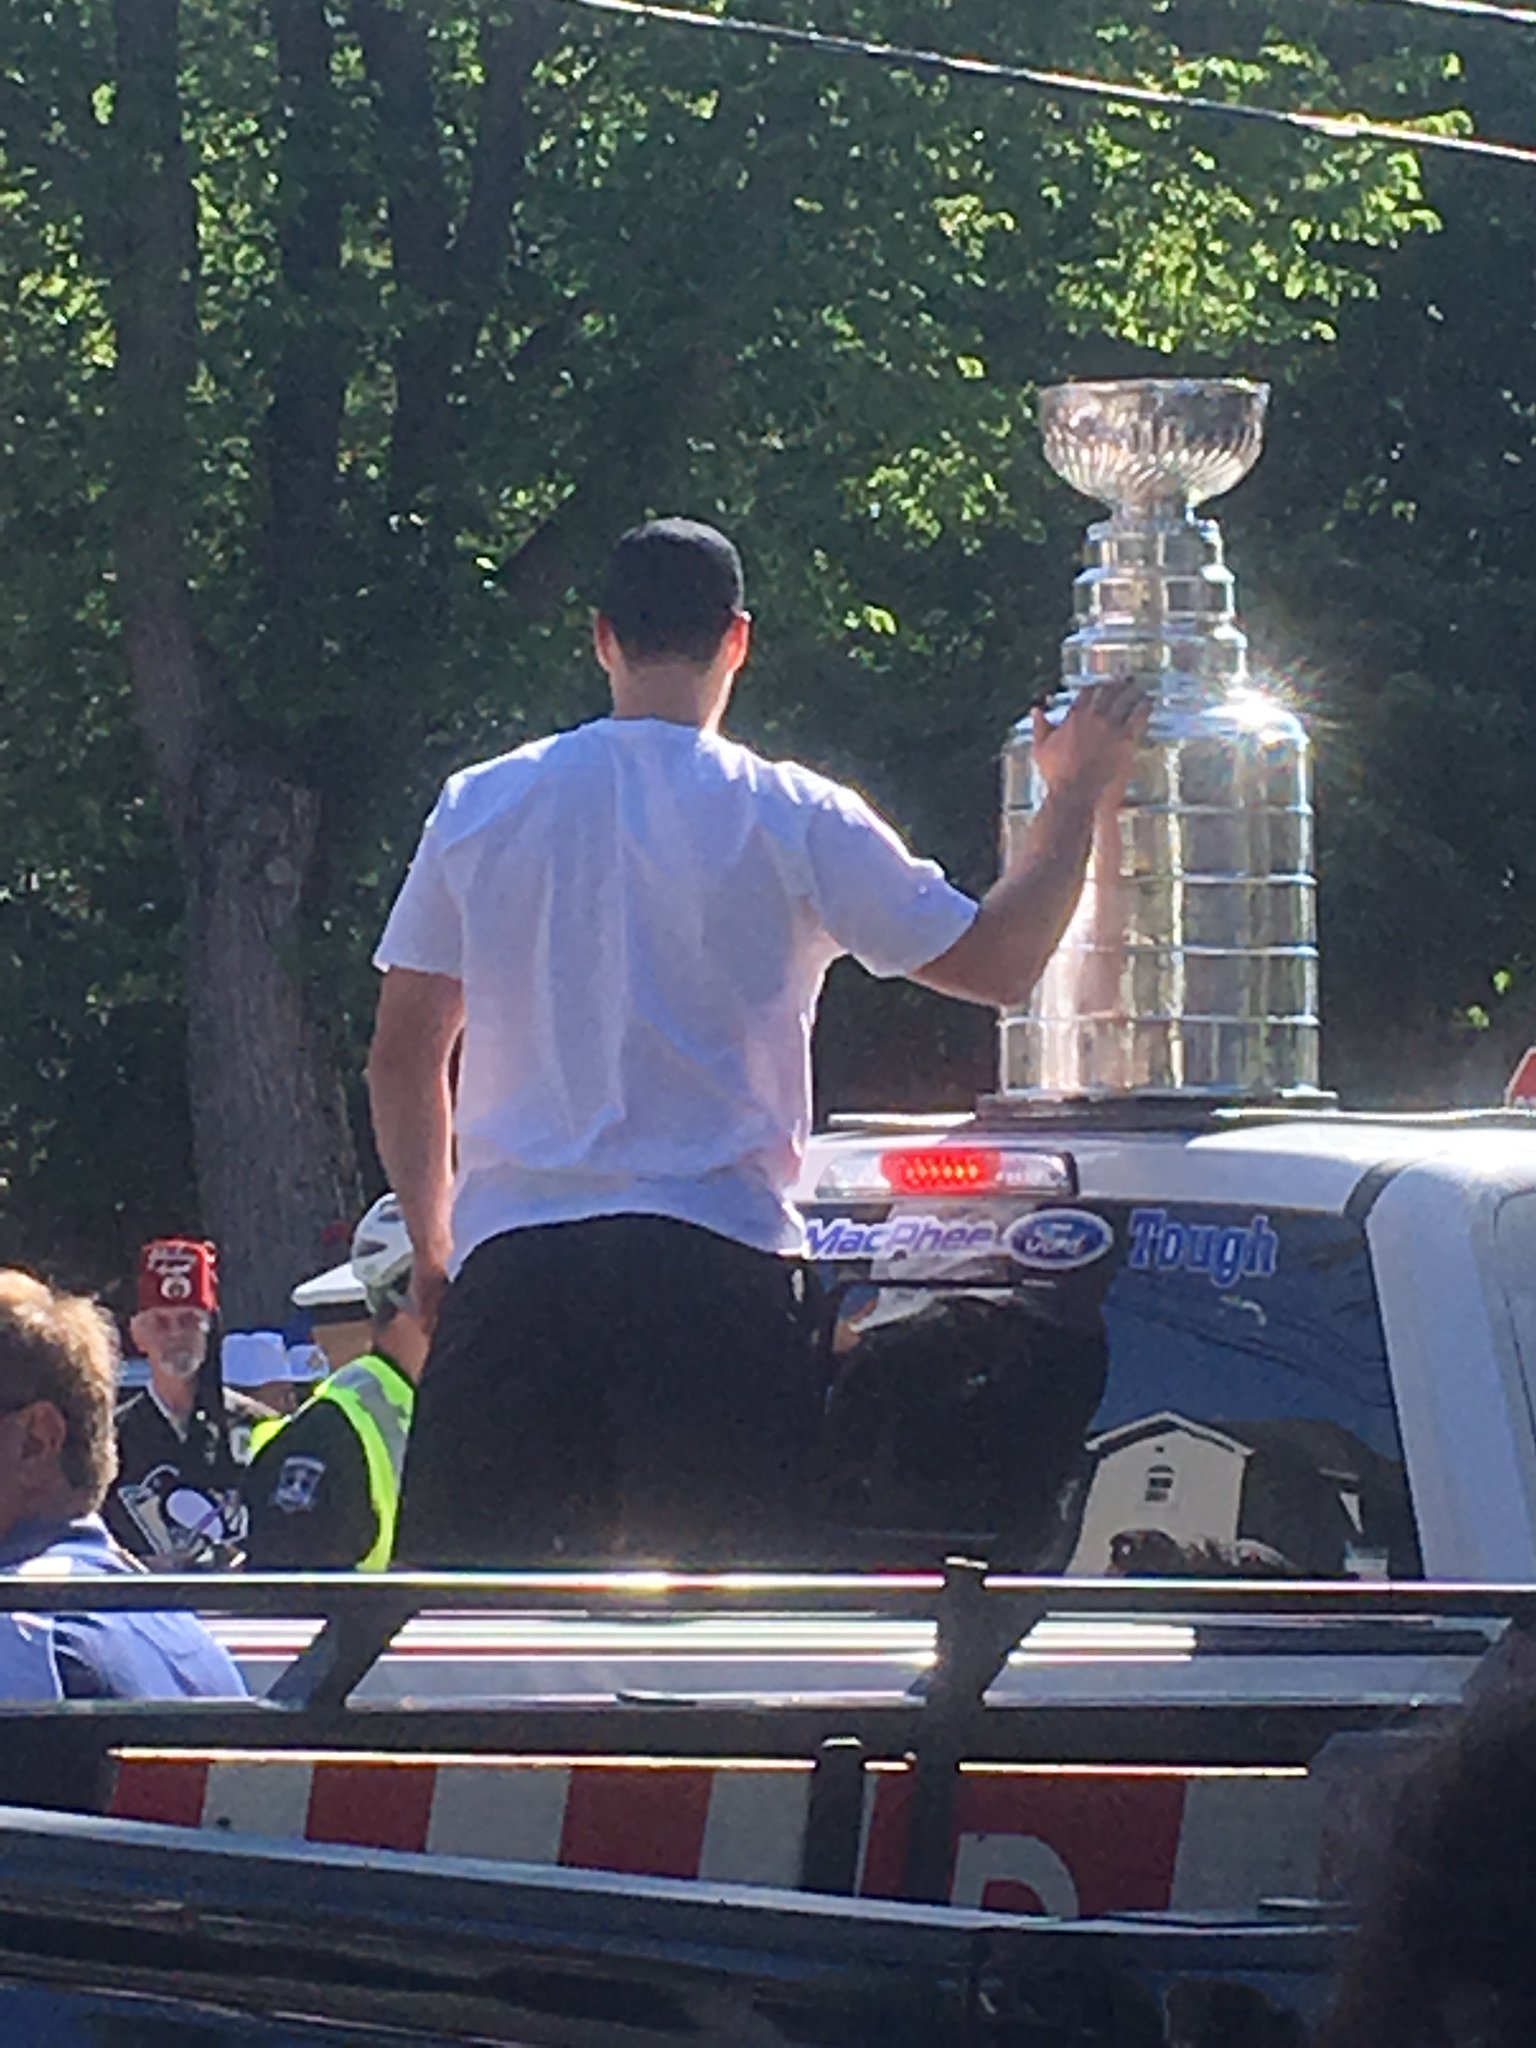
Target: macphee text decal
point(839, 1237)
point(1046, 1240)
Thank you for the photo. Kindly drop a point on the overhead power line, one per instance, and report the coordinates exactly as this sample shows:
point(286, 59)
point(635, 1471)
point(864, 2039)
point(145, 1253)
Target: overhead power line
point(1066, 84)
point(1473, 10)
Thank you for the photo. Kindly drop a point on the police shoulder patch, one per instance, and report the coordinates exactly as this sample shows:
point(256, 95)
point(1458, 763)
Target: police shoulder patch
point(298, 1481)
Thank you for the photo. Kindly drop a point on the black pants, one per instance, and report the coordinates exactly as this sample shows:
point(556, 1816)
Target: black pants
point(625, 1389)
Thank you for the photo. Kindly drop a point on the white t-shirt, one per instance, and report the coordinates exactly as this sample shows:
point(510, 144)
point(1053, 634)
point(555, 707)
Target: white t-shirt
point(642, 915)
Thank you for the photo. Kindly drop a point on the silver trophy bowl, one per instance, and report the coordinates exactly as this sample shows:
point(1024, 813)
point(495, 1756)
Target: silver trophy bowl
point(1190, 968)
point(1154, 443)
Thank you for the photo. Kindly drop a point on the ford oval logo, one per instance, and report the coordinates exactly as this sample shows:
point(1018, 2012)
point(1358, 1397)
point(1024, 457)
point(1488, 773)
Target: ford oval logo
point(1057, 1240)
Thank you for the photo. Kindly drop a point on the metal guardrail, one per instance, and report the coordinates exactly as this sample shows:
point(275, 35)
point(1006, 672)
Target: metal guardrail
point(979, 1618)
point(658, 1592)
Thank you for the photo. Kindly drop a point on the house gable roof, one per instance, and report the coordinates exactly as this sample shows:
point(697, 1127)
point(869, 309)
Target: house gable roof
point(1165, 1424)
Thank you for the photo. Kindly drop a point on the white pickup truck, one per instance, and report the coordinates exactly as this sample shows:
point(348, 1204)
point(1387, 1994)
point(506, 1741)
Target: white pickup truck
point(1157, 1340)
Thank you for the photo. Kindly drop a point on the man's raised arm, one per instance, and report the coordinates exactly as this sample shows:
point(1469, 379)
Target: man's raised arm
point(419, 1022)
point(1085, 761)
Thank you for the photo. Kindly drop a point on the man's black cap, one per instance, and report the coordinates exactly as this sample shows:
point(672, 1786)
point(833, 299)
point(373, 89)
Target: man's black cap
point(671, 589)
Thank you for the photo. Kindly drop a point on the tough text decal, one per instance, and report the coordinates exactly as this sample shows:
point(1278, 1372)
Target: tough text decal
point(1225, 1253)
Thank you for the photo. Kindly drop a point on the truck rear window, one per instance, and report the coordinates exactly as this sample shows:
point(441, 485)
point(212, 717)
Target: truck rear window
point(1111, 1388)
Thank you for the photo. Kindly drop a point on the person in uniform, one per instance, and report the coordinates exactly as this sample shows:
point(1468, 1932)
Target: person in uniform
point(590, 1081)
point(336, 1310)
point(182, 1442)
point(324, 1485)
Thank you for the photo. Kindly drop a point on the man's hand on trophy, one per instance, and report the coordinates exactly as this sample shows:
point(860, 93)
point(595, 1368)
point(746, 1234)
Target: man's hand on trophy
point(1091, 752)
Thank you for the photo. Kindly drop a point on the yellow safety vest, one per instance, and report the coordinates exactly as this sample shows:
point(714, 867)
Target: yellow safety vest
point(378, 1400)
point(262, 1432)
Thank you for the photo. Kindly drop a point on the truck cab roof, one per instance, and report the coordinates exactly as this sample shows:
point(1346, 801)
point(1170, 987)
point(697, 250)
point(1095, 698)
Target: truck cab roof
point(1326, 1161)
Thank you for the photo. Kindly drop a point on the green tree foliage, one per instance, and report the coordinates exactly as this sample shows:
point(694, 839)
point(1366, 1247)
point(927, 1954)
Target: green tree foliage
point(1395, 519)
point(342, 339)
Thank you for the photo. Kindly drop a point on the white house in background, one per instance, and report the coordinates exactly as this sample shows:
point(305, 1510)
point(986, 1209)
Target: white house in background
point(1163, 1472)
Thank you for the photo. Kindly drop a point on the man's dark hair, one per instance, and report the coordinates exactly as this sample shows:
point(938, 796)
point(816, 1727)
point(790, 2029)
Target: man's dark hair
point(671, 589)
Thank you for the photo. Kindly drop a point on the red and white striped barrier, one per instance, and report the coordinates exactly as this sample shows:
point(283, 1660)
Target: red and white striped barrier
point(1069, 1840)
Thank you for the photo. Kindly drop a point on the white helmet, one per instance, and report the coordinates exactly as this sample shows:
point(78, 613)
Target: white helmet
point(381, 1256)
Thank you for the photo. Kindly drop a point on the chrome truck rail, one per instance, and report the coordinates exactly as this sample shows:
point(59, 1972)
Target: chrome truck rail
point(944, 1720)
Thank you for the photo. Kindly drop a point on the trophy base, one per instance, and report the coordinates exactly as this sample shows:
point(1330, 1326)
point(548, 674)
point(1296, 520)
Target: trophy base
point(1141, 1109)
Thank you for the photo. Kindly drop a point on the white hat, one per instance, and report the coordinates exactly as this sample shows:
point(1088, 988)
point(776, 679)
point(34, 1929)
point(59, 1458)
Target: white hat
point(253, 1358)
point(340, 1288)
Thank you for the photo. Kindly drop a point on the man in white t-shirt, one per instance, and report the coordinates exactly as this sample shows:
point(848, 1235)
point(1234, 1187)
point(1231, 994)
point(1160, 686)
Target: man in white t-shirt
point(621, 933)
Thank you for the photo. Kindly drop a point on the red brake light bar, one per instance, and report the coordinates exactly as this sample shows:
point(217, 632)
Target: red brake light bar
point(942, 1169)
point(928, 1171)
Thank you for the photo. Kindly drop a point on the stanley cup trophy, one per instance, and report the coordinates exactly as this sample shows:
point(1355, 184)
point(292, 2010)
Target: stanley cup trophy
point(1191, 965)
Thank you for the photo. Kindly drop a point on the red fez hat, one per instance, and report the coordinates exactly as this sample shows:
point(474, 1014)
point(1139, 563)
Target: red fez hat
point(179, 1272)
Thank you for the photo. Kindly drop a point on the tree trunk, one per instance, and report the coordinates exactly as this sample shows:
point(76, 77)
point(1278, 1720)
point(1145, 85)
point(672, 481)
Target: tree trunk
point(272, 1147)
point(271, 1142)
